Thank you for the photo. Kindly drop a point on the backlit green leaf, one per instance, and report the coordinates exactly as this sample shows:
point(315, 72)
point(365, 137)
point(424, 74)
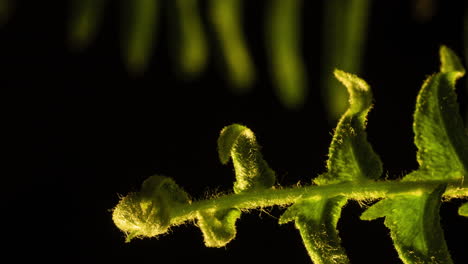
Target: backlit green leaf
point(252, 171)
point(465, 44)
point(439, 131)
point(140, 25)
point(410, 206)
point(148, 212)
point(193, 51)
point(85, 20)
point(218, 226)
point(413, 220)
point(283, 39)
point(351, 157)
point(344, 41)
point(316, 221)
point(238, 143)
point(226, 17)
point(463, 210)
point(450, 63)
point(5, 9)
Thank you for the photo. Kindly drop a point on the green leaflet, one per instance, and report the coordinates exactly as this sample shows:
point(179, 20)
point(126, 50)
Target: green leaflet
point(439, 131)
point(193, 51)
point(139, 33)
point(148, 212)
point(85, 20)
point(465, 44)
point(344, 39)
point(351, 157)
point(463, 210)
point(283, 39)
point(218, 226)
point(450, 63)
point(410, 207)
point(316, 221)
point(252, 171)
point(226, 17)
point(5, 10)
point(442, 155)
point(413, 220)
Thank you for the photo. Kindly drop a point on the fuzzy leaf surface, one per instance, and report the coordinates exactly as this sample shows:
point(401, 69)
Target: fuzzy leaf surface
point(351, 157)
point(438, 126)
point(316, 221)
point(218, 226)
point(238, 143)
point(413, 220)
point(148, 212)
point(463, 210)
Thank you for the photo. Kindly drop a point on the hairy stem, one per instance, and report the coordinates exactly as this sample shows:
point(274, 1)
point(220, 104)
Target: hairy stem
point(363, 191)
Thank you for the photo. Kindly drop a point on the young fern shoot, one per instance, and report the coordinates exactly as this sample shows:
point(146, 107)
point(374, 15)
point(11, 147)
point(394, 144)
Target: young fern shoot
point(351, 159)
point(410, 205)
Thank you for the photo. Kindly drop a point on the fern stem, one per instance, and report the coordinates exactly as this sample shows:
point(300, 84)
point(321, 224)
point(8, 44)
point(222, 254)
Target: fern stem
point(364, 191)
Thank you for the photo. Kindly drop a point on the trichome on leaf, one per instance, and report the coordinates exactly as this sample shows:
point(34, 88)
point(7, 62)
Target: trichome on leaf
point(410, 205)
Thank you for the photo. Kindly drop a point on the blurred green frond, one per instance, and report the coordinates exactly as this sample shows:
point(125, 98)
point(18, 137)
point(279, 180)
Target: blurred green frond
point(343, 40)
point(5, 9)
point(84, 21)
point(226, 17)
point(465, 39)
point(345, 24)
point(140, 24)
point(283, 34)
point(192, 53)
point(345, 27)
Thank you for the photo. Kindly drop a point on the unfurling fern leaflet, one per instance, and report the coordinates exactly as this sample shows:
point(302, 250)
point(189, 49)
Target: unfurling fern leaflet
point(351, 159)
point(238, 143)
point(410, 205)
point(150, 212)
point(413, 218)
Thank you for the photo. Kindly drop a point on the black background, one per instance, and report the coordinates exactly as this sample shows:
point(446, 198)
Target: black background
point(80, 130)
